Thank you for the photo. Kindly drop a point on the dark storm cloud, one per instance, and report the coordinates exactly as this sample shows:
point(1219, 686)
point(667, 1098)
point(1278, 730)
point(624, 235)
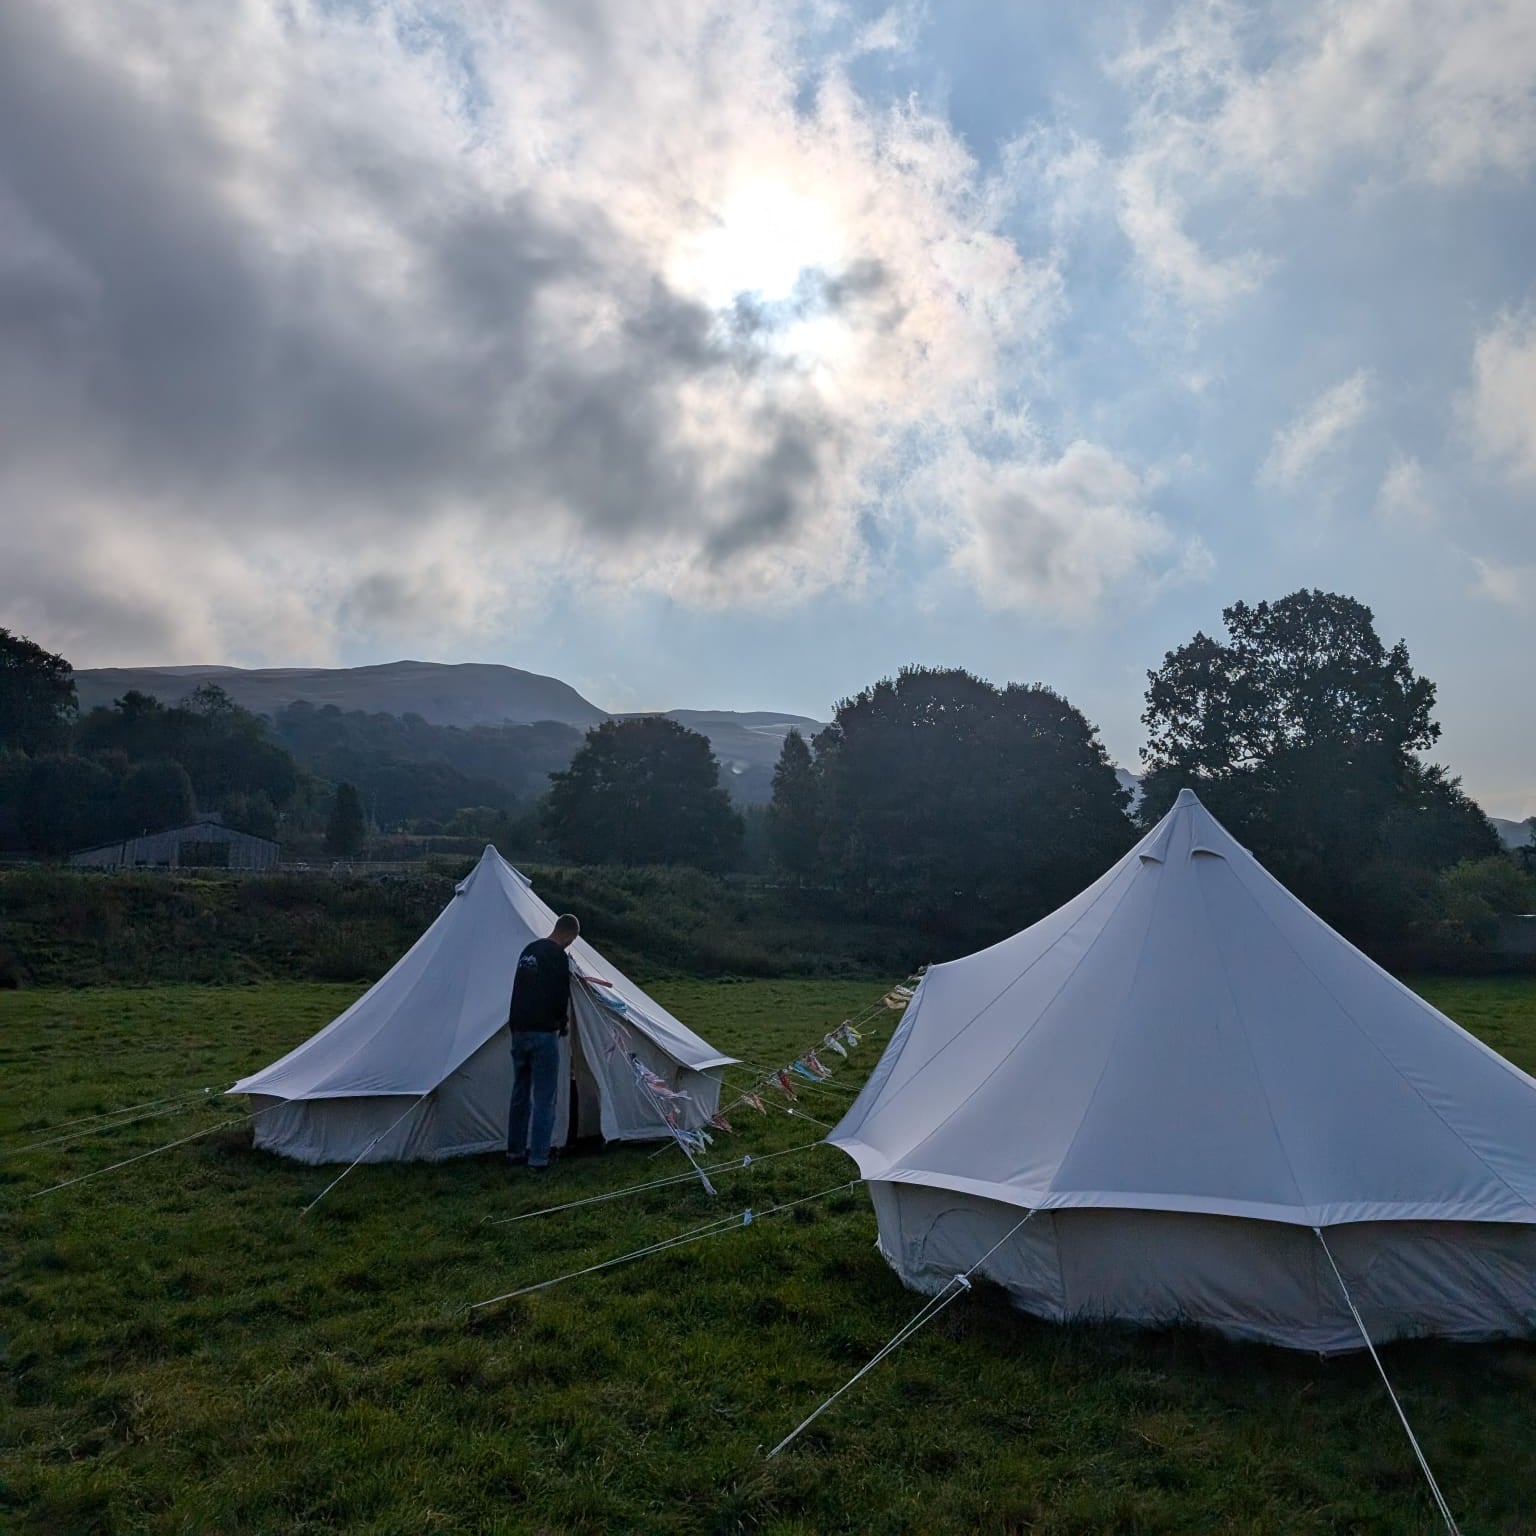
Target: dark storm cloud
point(212, 363)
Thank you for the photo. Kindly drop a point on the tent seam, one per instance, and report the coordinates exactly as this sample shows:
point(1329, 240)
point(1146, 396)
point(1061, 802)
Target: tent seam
point(1066, 981)
point(994, 1001)
point(1376, 1046)
point(1237, 1013)
point(1109, 1055)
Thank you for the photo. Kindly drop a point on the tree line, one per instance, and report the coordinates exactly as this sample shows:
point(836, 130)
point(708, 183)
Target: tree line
point(933, 799)
point(937, 800)
point(315, 774)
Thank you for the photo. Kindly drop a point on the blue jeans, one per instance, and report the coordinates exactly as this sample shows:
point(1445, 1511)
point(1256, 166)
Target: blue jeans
point(535, 1076)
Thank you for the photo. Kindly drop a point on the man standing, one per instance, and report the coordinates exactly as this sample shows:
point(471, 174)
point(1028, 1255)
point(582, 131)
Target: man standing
point(541, 1000)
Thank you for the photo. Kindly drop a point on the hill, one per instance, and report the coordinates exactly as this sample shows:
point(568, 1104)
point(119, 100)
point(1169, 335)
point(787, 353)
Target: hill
point(464, 696)
point(1514, 834)
point(470, 693)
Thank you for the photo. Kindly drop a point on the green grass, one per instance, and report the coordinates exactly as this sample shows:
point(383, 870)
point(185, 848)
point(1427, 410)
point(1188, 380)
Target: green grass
point(186, 1353)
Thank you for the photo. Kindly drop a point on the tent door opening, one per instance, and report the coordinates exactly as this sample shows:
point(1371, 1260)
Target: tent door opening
point(584, 1120)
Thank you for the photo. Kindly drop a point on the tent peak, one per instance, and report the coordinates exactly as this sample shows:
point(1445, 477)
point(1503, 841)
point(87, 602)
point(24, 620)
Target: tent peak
point(1186, 797)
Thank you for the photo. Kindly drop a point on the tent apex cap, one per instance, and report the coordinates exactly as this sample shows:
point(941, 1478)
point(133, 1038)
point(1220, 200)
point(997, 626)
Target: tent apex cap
point(1186, 797)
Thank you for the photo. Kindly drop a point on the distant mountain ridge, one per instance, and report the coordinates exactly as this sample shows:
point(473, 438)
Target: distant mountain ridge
point(464, 695)
point(1514, 834)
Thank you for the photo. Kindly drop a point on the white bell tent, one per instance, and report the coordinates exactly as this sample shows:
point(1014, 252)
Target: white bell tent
point(420, 1067)
point(1182, 1073)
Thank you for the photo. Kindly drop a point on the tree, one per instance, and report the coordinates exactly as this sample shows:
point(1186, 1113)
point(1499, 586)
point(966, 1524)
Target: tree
point(484, 822)
point(37, 696)
point(346, 831)
point(224, 748)
point(152, 797)
point(1305, 671)
point(794, 827)
point(66, 804)
point(643, 791)
point(1301, 732)
point(255, 814)
point(962, 807)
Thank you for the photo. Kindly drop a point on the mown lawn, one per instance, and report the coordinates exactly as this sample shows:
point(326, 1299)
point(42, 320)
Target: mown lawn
point(185, 1352)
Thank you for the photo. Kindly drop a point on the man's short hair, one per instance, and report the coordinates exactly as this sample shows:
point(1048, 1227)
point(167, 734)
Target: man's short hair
point(566, 923)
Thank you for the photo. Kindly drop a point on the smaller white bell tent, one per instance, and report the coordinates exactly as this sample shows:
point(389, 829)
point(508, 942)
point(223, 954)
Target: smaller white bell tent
point(420, 1065)
point(1182, 1073)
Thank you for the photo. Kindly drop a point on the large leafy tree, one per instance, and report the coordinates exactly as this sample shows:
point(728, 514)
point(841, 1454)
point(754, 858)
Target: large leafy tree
point(37, 696)
point(224, 748)
point(1306, 671)
point(968, 808)
point(794, 815)
point(1301, 730)
point(66, 804)
point(643, 791)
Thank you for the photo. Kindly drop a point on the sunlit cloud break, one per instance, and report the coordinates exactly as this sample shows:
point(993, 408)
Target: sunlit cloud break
point(641, 297)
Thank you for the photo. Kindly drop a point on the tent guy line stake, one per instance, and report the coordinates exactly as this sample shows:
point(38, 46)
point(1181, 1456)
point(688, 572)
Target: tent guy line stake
point(743, 1162)
point(952, 1290)
point(105, 1114)
point(729, 1223)
point(361, 1155)
point(181, 1142)
point(1429, 1477)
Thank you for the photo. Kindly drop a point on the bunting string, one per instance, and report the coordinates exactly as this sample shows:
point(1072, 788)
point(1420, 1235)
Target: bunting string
point(809, 1069)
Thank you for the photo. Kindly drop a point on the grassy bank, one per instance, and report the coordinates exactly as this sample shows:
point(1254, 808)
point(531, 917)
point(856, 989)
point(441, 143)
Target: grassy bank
point(78, 928)
point(188, 1354)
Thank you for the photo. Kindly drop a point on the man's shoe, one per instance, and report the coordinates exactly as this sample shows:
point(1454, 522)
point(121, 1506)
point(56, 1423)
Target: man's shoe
point(516, 1159)
point(538, 1167)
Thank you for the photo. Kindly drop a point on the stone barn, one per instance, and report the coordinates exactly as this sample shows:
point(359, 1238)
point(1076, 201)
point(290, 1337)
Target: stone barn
point(205, 844)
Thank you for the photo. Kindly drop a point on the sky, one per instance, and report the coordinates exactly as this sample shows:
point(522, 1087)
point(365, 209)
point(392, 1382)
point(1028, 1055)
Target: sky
point(714, 354)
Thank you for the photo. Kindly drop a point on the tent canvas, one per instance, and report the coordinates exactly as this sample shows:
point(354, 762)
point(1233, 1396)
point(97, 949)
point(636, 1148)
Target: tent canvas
point(420, 1066)
point(1182, 1072)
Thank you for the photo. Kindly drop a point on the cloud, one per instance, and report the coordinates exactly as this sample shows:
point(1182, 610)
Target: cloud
point(1512, 585)
point(1055, 535)
point(1404, 496)
point(1316, 431)
point(1500, 408)
point(409, 316)
point(1238, 109)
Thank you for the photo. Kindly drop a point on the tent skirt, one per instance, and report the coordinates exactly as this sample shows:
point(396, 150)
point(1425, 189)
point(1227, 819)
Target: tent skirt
point(1263, 1281)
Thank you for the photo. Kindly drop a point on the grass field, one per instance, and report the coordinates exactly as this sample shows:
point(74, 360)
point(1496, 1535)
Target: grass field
point(185, 1352)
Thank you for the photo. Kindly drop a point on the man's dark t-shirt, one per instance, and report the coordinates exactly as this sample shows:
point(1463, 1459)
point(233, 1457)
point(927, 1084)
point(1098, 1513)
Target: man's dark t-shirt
point(541, 987)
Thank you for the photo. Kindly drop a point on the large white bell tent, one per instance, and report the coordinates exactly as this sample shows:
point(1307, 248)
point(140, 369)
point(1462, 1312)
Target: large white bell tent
point(1208, 1099)
point(420, 1067)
